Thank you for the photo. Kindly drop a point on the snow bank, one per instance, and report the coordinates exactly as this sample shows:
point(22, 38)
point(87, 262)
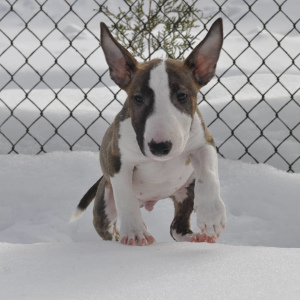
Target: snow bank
point(42, 256)
point(105, 270)
point(38, 194)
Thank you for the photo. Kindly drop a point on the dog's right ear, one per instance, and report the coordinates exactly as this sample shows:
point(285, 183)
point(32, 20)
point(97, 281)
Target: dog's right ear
point(121, 63)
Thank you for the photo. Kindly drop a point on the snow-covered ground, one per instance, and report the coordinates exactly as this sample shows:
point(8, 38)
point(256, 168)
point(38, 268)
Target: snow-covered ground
point(168, 271)
point(48, 258)
point(42, 256)
point(38, 194)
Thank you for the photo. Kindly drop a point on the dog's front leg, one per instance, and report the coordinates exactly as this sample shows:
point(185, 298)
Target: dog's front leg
point(210, 209)
point(132, 228)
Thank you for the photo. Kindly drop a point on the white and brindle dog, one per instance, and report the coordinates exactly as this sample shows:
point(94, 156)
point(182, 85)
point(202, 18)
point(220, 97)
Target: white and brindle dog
point(158, 146)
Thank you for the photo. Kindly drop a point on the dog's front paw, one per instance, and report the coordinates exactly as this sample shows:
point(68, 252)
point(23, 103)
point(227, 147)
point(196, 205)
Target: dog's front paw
point(193, 237)
point(132, 234)
point(211, 218)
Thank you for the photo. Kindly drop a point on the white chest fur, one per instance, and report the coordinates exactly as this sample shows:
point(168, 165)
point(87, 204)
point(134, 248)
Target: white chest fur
point(156, 180)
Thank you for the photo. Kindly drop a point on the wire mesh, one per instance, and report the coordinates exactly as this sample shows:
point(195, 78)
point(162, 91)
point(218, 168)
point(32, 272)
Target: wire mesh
point(35, 123)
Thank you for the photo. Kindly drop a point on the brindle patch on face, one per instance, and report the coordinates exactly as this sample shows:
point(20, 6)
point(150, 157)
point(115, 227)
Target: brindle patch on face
point(110, 157)
point(139, 112)
point(182, 81)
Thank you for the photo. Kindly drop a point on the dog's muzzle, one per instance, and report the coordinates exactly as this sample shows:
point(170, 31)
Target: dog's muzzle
point(160, 149)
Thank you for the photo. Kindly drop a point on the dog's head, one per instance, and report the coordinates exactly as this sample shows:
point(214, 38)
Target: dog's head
point(162, 94)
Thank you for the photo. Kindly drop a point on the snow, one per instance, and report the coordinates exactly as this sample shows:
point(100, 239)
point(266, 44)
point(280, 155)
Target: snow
point(100, 270)
point(261, 201)
point(43, 256)
point(50, 258)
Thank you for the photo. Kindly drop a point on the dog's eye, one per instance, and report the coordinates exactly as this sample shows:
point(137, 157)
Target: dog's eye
point(139, 99)
point(181, 97)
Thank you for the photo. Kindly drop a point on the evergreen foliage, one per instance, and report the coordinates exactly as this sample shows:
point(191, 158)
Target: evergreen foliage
point(162, 24)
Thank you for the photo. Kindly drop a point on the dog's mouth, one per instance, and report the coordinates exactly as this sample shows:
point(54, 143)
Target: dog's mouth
point(160, 158)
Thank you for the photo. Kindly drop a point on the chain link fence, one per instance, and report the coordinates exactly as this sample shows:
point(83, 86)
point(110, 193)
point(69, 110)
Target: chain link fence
point(56, 94)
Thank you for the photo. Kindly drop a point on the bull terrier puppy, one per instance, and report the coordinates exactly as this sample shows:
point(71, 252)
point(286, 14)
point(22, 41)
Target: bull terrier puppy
point(158, 146)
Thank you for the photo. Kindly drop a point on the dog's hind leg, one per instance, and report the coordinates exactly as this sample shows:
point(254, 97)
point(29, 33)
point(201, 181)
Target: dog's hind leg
point(180, 227)
point(105, 213)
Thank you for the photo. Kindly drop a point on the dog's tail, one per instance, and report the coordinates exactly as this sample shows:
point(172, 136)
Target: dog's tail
point(84, 202)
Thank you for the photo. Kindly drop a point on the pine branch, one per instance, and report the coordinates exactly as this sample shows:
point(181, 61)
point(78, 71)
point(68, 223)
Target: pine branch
point(137, 29)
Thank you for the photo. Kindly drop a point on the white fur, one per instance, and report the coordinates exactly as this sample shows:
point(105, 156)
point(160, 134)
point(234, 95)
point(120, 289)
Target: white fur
point(181, 194)
point(166, 123)
point(76, 215)
point(151, 179)
point(211, 215)
point(143, 178)
point(128, 208)
point(131, 223)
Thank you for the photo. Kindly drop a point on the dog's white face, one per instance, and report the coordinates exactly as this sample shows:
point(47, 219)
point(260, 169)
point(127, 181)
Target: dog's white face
point(162, 109)
point(162, 94)
point(167, 127)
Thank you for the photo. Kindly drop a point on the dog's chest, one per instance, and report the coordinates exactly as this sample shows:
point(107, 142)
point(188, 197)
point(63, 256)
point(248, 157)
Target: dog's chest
point(157, 180)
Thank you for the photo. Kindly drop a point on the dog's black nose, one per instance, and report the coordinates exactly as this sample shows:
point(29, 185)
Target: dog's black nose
point(160, 149)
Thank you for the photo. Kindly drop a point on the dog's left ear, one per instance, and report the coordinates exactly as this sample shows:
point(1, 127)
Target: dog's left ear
point(203, 59)
point(121, 63)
